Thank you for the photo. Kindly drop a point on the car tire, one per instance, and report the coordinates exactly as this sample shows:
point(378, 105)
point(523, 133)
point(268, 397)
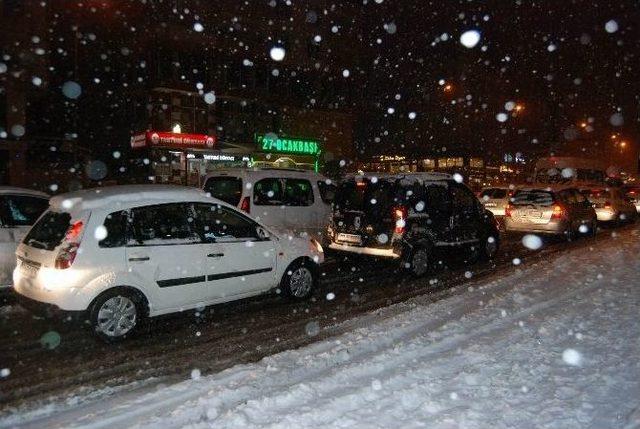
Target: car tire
point(299, 280)
point(117, 314)
point(419, 261)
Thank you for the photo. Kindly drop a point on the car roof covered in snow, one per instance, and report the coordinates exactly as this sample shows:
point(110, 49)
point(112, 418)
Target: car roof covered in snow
point(124, 196)
point(405, 178)
point(13, 190)
point(266, 172)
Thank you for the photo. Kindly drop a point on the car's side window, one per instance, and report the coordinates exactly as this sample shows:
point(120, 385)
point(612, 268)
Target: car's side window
point(298, 192)
point(437, 201)
point(116, 228)
point(216, 223)
point(21, 210)
point(162, 224)
point(268, 192)
point(327, 191)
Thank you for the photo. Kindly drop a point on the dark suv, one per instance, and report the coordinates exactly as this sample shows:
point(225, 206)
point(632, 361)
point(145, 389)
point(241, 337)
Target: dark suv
point(410, 217)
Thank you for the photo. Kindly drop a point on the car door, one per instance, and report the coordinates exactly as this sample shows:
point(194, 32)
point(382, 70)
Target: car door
point(583, 207)
point(465, 220)
point(165, 252)
point(437, 207)
point(240, 256)
point(299, 213)
point(17, 214)
point(268, 202)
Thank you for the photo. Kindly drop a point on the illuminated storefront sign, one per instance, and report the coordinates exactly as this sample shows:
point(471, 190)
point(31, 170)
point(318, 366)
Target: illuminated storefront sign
point(173, 140)
point(384, 158)
point(268, 143)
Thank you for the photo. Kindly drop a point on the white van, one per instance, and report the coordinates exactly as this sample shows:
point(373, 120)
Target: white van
point(19, 209)
point(294, 200)
point(122, 253)
point(570, 171)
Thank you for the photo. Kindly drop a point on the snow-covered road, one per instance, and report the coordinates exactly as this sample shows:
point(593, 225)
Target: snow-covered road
point(552, 344)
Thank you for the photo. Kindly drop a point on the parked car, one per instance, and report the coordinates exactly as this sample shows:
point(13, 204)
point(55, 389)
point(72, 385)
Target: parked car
point(123, 253)
point(495, 199)
point(19, 209)
point(295, 200)
point(633, 194)
point(610, 204)
point(410, 217)
point(559, 211)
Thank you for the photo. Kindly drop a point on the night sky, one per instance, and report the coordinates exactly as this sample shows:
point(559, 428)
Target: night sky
point(385, 62)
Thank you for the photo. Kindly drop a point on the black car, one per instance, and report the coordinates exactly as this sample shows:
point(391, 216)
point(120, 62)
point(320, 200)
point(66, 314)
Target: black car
point(411, 217)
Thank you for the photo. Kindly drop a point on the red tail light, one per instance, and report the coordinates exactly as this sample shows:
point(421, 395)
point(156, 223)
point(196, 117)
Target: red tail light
point(558, 212)
point(400, 218)
point(66, 256)
point(507, 210)
point(74, 232)
point(245, 206)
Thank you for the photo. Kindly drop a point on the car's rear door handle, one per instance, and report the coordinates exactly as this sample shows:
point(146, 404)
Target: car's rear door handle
point(215, 255)
point(140, 258)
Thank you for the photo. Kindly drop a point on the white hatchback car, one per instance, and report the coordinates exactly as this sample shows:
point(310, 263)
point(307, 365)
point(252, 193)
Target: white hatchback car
point(122, 253)
point(611, 204)
point(19, 209)
point(294, 200)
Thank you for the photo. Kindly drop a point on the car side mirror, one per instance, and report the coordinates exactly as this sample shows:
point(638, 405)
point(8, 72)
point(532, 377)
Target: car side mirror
point(262, 233)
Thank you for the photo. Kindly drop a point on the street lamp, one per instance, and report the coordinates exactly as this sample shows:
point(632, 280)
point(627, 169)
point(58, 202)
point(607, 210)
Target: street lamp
point(177, 128)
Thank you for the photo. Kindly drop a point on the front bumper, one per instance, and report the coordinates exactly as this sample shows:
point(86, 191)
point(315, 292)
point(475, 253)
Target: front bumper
point(371, 251)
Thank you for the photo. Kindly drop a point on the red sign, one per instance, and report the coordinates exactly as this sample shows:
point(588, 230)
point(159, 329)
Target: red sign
point(173, 140)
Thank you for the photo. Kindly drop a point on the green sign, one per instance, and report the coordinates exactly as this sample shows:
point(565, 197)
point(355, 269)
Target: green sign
point(288, 145)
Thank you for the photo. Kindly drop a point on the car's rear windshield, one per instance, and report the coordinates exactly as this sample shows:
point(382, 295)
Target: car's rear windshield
point(225, 188)
point(49, 231)
point(495, 193)
point(535, 197)
point(597, 194)
point(365, 195)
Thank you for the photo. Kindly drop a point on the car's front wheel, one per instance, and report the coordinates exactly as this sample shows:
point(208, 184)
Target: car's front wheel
point(299, 280)
point(116, 314)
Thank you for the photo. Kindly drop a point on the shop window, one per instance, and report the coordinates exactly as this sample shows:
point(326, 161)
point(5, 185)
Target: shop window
point(476, 163)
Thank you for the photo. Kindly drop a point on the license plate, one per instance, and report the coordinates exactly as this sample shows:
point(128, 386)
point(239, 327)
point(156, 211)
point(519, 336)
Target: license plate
point(350, 238)
point(28, 270)
point(534, 213)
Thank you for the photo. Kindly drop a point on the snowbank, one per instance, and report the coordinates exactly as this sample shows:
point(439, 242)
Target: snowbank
point(550, 345)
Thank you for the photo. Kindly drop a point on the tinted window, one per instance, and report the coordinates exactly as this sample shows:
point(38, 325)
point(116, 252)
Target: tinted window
point(438, 203)
point(162, 224)
point(568, 196)
point(462, 198)
point(268, 192)
point(327, 191)
point(499, 193)
point(366, 195)
point(218, 223)
point(49, 231)
point(536, 197)
point(298, 192)
point(21, 210)
point(227, 189)
point(116, 226)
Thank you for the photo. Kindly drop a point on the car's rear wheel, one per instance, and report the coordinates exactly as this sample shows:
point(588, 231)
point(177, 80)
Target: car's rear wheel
point(116, 314)
point(299, 280)
point(419, 261)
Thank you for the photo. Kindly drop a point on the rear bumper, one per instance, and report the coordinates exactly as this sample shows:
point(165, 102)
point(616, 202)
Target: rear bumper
point(55, 293)
point(497, 211)
point(371, 251)
point(552, 227)
point(606, 215)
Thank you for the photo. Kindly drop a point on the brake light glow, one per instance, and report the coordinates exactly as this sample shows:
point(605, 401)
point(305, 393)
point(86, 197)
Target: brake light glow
point(361, 184)
point(607, 205)
point(507, 210)
point(245, 206)
point(558, 212)
point(74, 232)
point(66, 256)
point(400, 216)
